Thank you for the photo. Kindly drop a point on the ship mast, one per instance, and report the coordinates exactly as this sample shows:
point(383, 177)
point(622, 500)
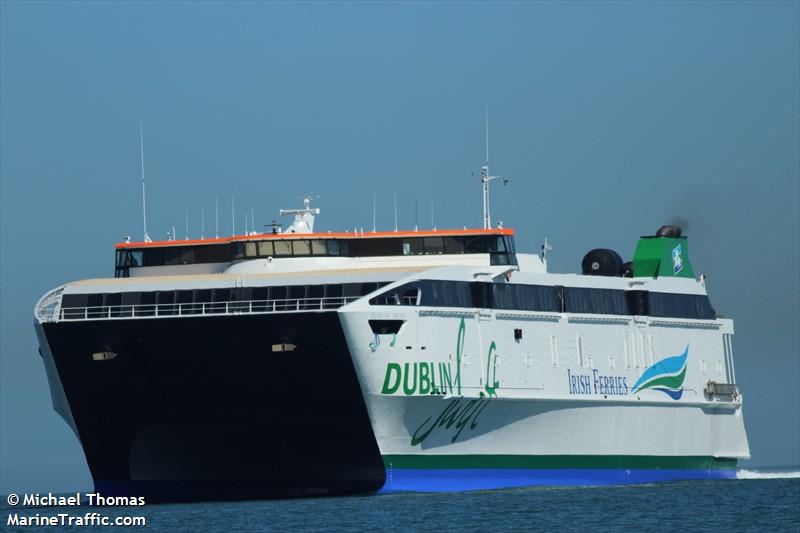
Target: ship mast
point(485, 179)
point(144, 198)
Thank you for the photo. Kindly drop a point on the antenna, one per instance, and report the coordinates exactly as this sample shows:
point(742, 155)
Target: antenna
point(186, 220)
point(416, 215)
point(395, 211)
point(216, 217)
point(252, 220)
point(373, 213)
point(487, 136)
point(245, 222)
point(233, 217)
point(202, 221)
point(433, 226)
point(144, 197)
point(485, 179)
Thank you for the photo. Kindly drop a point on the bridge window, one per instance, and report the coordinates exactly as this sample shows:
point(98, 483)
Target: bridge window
point(265, 249)
point(283, 248)
point(318, 247)
point(302, 248)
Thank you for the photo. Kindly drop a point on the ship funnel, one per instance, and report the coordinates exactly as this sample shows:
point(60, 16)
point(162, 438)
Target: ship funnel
point(664, 254)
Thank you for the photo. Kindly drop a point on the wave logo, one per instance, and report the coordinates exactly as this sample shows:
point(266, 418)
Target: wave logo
point(666, 376)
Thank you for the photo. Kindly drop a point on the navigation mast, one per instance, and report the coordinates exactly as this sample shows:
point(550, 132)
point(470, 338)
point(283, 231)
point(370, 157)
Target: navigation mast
point(485, 179)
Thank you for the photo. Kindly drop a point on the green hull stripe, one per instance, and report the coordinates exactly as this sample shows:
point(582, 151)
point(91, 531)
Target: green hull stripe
point(556, 461)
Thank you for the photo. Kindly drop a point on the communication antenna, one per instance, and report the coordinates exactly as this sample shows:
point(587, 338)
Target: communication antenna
point(233, 217)
point(202, 221)
point(433, 226)
point(216, 217)
point(485, 179)
point(186, 220)
point(544, 250)
point(252, 220)
point(245, 222)
point(144, 197)
point(416, 215)
point(373, 213)
point(395, 211)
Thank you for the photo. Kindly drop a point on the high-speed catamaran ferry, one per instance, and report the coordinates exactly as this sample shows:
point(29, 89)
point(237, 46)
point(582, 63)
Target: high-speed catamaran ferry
point(296, 363)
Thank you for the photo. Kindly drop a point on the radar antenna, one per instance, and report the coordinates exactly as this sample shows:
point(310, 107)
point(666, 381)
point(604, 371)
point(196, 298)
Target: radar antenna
point(303, 218)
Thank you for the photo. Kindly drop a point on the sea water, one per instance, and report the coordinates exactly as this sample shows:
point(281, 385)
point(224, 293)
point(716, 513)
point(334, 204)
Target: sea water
point(757, 501)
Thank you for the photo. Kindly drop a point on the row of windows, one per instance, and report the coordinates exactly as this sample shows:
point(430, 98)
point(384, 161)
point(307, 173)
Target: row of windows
point(196, 301)
point(507, 296)
point(372, 247)
point(501, 250)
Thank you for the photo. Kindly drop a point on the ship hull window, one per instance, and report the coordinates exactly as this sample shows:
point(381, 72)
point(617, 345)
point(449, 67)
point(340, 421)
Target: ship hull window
point(595, 301)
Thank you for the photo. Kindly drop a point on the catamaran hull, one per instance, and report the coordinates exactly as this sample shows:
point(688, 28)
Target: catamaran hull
point(202, 408)
point(287, 405)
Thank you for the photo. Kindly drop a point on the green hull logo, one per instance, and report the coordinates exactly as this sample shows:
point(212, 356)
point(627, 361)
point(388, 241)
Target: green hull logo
point(413, 378)
point(460, 413)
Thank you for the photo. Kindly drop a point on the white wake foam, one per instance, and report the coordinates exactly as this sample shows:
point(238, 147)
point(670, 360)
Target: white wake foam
point(755, 474)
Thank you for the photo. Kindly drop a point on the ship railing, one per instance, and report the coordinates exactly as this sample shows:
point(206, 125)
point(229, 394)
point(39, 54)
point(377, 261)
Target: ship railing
point(49, 306)
point(233, 307)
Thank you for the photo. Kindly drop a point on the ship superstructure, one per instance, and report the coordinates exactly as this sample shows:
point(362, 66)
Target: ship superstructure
point(291, 363)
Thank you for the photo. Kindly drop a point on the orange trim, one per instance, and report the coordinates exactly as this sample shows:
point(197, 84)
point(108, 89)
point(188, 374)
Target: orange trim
point(295, 236)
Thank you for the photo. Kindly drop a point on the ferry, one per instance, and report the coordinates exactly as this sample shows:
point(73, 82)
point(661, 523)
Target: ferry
point(295, 363)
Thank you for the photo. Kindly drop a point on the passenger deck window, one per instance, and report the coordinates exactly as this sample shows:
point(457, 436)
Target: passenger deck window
point(454, 245)
point(413, 246)
point(318, 248)
point(283, 248)
point(333, 247)
point(265, 249)
point(302, 248)
point(433, 245)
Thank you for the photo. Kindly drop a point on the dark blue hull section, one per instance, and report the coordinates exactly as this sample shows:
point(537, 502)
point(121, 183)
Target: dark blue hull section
point(451, 480)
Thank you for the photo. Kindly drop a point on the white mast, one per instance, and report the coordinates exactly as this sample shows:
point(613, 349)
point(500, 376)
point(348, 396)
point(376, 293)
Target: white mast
point(202, 221)
point(233, 217)
point(186, 219)
point(144, 198)
point(216, 217)
point(373, 212)
point(485, 179)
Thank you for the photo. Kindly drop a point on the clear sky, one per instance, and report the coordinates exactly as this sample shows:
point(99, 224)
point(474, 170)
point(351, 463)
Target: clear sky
point(611, 118)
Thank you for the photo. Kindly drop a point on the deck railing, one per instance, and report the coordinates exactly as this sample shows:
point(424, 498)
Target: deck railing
point(236, 307)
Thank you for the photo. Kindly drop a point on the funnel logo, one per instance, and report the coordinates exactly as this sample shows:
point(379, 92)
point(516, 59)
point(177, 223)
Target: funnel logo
point(677, 260)
point(666, 376)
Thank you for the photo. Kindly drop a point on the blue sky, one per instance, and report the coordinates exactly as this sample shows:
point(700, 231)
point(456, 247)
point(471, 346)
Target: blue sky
point(611, 118)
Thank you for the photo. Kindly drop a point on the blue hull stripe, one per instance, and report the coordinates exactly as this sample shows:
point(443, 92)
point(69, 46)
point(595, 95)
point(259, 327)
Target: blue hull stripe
point(436, 480)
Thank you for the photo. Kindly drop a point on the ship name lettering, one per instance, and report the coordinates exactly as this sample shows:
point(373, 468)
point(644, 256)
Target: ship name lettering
point(417, 378)
point(597, 383)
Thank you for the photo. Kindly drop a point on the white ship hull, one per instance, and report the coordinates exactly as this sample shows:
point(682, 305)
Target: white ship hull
point(481, 398)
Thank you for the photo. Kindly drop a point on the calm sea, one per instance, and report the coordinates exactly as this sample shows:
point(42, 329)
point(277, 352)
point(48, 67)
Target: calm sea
point(764, 502)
